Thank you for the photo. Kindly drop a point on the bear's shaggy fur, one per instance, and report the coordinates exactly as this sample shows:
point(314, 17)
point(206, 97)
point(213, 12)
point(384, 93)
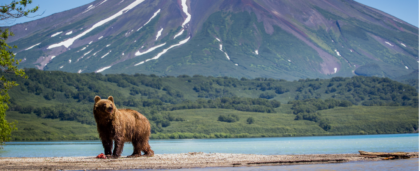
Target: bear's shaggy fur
point(121, 125)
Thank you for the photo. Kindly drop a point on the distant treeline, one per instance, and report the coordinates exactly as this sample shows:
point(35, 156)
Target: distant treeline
point(83, 113)
point(368, 91)
point(69, 96)
point(307, 110)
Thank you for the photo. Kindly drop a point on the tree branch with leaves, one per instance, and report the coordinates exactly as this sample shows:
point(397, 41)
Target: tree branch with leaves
point(8, 63)
point(16, 10)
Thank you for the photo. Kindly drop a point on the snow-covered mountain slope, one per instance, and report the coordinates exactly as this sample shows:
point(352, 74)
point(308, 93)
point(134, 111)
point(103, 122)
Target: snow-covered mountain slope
point(287, 39)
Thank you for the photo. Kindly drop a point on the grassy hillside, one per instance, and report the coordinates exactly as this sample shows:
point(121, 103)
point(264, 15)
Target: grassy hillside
point(58, 105)
point(202, 123)
point(33, 128)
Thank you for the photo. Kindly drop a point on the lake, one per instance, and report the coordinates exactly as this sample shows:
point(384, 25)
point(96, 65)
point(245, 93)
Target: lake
point(267, 146)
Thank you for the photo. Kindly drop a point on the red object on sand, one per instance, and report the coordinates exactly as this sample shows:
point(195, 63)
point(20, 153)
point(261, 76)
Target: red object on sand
point(101, 156)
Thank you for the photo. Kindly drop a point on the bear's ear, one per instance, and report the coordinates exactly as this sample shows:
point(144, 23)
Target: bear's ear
point(111, 99)
point(97, 98)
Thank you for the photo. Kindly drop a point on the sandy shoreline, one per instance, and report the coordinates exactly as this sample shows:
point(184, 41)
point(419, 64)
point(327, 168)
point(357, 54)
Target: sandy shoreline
point(176, 161)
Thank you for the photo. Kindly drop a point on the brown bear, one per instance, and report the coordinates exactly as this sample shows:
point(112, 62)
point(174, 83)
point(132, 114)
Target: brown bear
point(121, 125)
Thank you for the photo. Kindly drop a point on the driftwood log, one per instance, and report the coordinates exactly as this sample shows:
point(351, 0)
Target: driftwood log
point(298, 161)
point(396, 155)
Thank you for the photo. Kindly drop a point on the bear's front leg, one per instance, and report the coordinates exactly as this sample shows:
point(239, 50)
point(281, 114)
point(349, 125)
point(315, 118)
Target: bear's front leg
point(119, 145)
point(107, 146)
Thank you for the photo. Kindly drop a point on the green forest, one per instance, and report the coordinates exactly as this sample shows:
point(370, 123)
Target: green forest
point(55, 105)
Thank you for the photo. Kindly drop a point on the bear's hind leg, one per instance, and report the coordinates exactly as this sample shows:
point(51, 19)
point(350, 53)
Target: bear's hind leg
point(148, 152)
point(137, 149)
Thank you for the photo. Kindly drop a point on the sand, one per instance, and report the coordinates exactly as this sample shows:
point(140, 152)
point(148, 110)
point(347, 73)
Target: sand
point(175, 161)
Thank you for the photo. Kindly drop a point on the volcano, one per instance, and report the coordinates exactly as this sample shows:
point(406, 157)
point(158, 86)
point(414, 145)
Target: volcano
point(283, 39)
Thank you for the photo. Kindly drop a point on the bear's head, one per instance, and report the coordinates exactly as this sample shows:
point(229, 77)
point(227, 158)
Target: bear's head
point(104, 108)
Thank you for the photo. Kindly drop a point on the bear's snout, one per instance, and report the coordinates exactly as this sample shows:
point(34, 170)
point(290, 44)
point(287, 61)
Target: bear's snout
point(109, 109)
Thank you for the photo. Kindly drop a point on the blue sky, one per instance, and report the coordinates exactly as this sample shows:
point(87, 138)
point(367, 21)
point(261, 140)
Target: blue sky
point(407, 10)
point(46, 8)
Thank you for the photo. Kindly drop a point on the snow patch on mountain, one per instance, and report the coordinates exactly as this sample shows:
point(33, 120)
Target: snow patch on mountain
point(179, 34)
point(406, 67)
point(102, 2)
point(103, 69)
point(87, 53)
point(151, 18)
point(256, 51)
point(159, 33)
point(33, 46)
point(185, 9)
point(89, 8)
point(227, 56)
point(221, 49)
point(93, 6)
point(67, 43)
point(106, 54)
point(337, 52)
point(56, 34)
point(94, 54)
point(217, 39)
point(70, 32)
point(100, 37)
point(389, 44)
point(142, 62)
point(402, 44)
point(164, 51)
point(138, 53)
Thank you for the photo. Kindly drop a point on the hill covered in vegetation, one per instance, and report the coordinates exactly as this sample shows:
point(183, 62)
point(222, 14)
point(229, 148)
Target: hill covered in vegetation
point(54, 105)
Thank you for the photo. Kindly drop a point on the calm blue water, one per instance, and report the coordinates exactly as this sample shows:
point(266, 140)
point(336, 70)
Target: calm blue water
point(280, 145)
